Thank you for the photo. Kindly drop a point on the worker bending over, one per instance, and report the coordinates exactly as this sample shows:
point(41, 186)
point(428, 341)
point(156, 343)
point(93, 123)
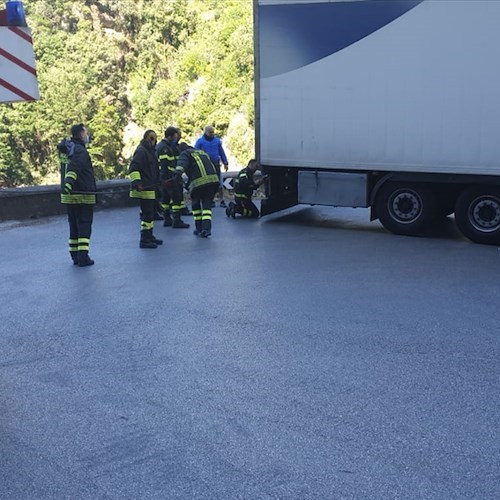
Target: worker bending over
point(203, 184)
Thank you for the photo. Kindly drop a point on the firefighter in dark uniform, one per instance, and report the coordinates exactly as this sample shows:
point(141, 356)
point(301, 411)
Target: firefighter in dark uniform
point(180, 147)
point(203, 184)
point(78, 188)
point(244, 187)
point(173, 198)
point(145, 177)
point(65, 149)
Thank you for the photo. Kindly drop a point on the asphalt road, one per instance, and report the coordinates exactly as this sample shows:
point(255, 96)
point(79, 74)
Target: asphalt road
point(309, 355)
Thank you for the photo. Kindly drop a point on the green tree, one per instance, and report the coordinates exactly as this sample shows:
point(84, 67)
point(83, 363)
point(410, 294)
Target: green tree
point(120, 65)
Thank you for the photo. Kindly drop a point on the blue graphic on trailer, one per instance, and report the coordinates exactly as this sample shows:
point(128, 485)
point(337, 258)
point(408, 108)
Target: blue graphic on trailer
point(315, 30)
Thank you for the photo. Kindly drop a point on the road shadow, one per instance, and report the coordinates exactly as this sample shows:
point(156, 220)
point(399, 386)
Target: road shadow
point(357, 219)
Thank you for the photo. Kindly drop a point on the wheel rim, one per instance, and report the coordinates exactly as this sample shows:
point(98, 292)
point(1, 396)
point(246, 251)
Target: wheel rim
point(405, 206)
point(484, 214)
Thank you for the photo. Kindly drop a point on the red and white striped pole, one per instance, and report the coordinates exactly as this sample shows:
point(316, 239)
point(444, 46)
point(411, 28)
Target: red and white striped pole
point(18, 81)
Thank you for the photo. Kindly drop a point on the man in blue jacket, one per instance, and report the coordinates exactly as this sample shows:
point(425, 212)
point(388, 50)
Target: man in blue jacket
point(212, 145)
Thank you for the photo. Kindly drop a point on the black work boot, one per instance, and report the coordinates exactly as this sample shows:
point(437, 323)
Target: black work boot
point(74, 257)
point(178, 222)
point(148, 244)
point(206, 228)
point(84, 259)
point(236, 210)
point(197, 230)
point(155, 240)
point(146, 241)
point(167, 219)
point(230, 208)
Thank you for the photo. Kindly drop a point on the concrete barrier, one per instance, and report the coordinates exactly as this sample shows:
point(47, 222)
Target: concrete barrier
point(42, 201)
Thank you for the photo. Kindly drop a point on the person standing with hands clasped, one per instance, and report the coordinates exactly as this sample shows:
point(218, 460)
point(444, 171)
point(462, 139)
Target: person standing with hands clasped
point(145, 178)
point(78, 193)
point(212, 145)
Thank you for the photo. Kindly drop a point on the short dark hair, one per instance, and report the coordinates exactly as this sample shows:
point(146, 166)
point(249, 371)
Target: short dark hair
point(76, 130)
point(170, 131)
point(148, 133)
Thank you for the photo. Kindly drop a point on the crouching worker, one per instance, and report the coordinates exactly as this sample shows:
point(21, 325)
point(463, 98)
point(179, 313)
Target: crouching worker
point(245, 185)
point(203, 184)
point(145, 178)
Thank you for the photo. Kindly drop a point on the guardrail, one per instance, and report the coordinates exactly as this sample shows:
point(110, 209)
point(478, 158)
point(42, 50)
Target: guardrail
point(43, 201)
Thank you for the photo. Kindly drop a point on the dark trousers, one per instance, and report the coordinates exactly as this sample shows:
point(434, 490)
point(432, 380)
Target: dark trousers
point(147, 218)
point(158, 207)
point(246, 208)
point(80, 217)
point(173, 196)
point(201, 201)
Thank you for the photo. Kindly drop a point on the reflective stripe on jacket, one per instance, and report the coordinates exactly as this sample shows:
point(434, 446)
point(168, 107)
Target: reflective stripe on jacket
point(197, 165)
point(244, 185)
point(143, 170)
point(167, 156)
point(78, 185)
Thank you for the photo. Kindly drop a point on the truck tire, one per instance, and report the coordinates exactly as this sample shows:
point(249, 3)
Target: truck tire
point(477, 214)
point(407, 209)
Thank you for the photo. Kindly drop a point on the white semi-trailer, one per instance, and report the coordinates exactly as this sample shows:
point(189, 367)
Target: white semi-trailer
point(388, 104)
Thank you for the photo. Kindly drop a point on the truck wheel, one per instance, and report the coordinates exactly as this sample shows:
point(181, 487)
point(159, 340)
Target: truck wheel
point(477, 214)
point(406, 209)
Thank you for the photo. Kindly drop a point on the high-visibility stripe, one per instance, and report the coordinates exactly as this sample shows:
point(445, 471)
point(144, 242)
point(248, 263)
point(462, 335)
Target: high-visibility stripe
point(199, 162)
point(201, 181)
point(83, 244)
point(135, 175)
point(72, 175)
point(78, 199)
point(143, 195)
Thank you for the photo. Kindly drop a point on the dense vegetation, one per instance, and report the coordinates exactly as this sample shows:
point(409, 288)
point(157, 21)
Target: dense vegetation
point(122, 66)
